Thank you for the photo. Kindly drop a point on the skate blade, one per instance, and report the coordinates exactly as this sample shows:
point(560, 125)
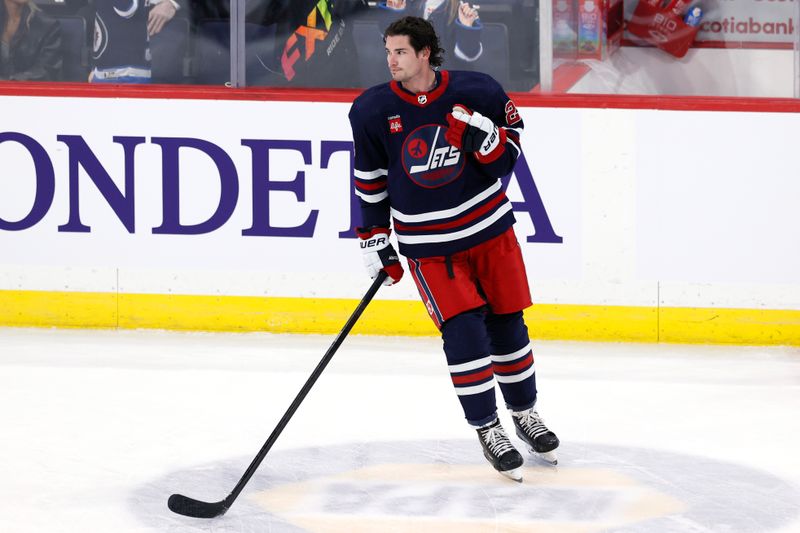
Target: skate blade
point(550, 457)
point(515, 474)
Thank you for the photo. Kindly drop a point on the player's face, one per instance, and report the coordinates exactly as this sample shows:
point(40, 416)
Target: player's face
point(405, 63)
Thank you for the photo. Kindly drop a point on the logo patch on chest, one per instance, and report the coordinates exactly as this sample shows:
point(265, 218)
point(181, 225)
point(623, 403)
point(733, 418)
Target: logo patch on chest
point(428, 159)
point(395, 124)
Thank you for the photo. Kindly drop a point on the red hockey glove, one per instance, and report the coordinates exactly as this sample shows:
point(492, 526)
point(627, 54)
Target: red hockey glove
point(469, 131)
point(379, 254)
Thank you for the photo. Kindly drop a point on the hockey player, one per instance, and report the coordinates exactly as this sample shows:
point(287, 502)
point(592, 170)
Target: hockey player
point(456, 23)
point(430, 149)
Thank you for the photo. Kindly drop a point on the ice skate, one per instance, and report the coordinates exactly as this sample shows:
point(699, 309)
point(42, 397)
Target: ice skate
point(540, 440)
point(499, 451)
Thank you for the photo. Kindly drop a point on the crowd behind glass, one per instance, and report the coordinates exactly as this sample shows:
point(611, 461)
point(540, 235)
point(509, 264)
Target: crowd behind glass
point(301, 43)
point(291, 43)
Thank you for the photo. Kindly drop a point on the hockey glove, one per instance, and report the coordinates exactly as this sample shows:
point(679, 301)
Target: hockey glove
point(379, 254)
point(469, 131)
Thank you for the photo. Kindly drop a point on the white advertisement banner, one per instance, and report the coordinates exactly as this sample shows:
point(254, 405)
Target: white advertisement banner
point(253, 197)
point(224, 186)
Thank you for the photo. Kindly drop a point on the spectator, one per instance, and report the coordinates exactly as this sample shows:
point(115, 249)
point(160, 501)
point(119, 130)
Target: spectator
point(456, 22)
point(122, 28)
point(161, 12)
point(30, 48)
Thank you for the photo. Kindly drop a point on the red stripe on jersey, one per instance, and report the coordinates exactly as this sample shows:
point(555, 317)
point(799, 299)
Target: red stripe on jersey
point(436, 174)
point(429, 97)
point(472, 378)
point(399, 226)
point(519, 365)
point(371, 185)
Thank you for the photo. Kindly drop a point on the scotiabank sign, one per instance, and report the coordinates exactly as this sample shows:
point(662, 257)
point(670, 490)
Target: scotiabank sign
point(84, 163)
point(744, 21)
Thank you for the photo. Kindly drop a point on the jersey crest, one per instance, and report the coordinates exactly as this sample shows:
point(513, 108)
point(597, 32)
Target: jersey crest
point(428, 159)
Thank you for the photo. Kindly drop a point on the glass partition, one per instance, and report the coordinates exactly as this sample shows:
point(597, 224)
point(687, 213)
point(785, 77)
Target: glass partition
point(209, 58)
point(643, 47)
point(672, 47)
point(340, 44)
point(118, 41)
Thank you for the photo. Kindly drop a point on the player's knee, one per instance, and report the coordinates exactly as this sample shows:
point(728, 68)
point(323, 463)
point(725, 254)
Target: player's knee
point(505, 323)
point(507, 332)
point(465, 336)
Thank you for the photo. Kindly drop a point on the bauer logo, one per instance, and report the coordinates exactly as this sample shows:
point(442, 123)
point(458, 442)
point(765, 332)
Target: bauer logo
point(447, 486)
point(429, 160)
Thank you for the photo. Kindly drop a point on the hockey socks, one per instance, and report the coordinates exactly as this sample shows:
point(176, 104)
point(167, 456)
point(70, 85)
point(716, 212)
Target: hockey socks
point(512, 359)
point(466, 346)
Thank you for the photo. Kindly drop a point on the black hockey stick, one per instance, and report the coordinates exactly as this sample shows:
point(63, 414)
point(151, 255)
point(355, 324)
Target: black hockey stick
point(195, 508)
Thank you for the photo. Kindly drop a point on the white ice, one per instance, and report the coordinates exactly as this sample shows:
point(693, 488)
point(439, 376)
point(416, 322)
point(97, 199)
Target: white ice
point(100, 427)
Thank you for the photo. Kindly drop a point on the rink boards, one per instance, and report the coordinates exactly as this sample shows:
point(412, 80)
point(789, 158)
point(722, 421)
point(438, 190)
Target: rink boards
point(234, 213)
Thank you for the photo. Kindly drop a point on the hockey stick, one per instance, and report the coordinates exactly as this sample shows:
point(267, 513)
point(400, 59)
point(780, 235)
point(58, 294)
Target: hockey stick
point(197, 509)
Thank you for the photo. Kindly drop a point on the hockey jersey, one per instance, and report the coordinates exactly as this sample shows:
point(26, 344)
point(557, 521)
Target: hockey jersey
point(121, 51)
point(439, 200)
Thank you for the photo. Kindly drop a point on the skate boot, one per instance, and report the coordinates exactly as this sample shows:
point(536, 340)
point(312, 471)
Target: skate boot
point(540, 440)
point(499, 451)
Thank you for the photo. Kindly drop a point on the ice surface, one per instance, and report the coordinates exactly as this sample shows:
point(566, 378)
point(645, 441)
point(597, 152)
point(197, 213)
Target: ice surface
point(100, 427)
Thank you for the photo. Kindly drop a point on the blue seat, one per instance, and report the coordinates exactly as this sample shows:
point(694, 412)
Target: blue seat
point(169, 50)
point(370, 52)
point(495, 59)
point(212, 50)
point(74, 47)
point(262, 62)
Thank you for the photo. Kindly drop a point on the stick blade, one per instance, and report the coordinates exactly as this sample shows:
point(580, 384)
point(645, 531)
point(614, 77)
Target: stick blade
point(186, 506)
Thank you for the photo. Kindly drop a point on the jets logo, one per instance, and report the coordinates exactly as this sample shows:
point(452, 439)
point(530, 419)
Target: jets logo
point(428, 159)
point(130, 11)
point(100, 41)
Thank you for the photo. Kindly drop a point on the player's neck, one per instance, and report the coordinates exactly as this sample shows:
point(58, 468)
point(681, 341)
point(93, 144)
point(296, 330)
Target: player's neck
point(423, 83)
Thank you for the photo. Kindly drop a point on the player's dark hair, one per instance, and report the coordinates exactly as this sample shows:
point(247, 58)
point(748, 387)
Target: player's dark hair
point(420, 34)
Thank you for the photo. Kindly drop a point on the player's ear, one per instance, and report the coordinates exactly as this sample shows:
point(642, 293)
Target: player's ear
point(425, 53)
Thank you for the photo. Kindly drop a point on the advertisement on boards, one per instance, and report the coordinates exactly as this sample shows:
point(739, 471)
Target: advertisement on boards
point(237, 186)
point(747, 23)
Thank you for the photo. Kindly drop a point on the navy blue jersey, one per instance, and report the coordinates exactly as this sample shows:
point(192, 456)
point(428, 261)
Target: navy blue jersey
point(439, 200)
point(121, 49)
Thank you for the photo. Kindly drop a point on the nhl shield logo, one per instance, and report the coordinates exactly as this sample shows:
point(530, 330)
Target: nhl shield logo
point(429, 160)
point(422, 99)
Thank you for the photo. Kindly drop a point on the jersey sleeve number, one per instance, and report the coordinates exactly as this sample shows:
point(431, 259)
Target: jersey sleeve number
point(512, 115)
